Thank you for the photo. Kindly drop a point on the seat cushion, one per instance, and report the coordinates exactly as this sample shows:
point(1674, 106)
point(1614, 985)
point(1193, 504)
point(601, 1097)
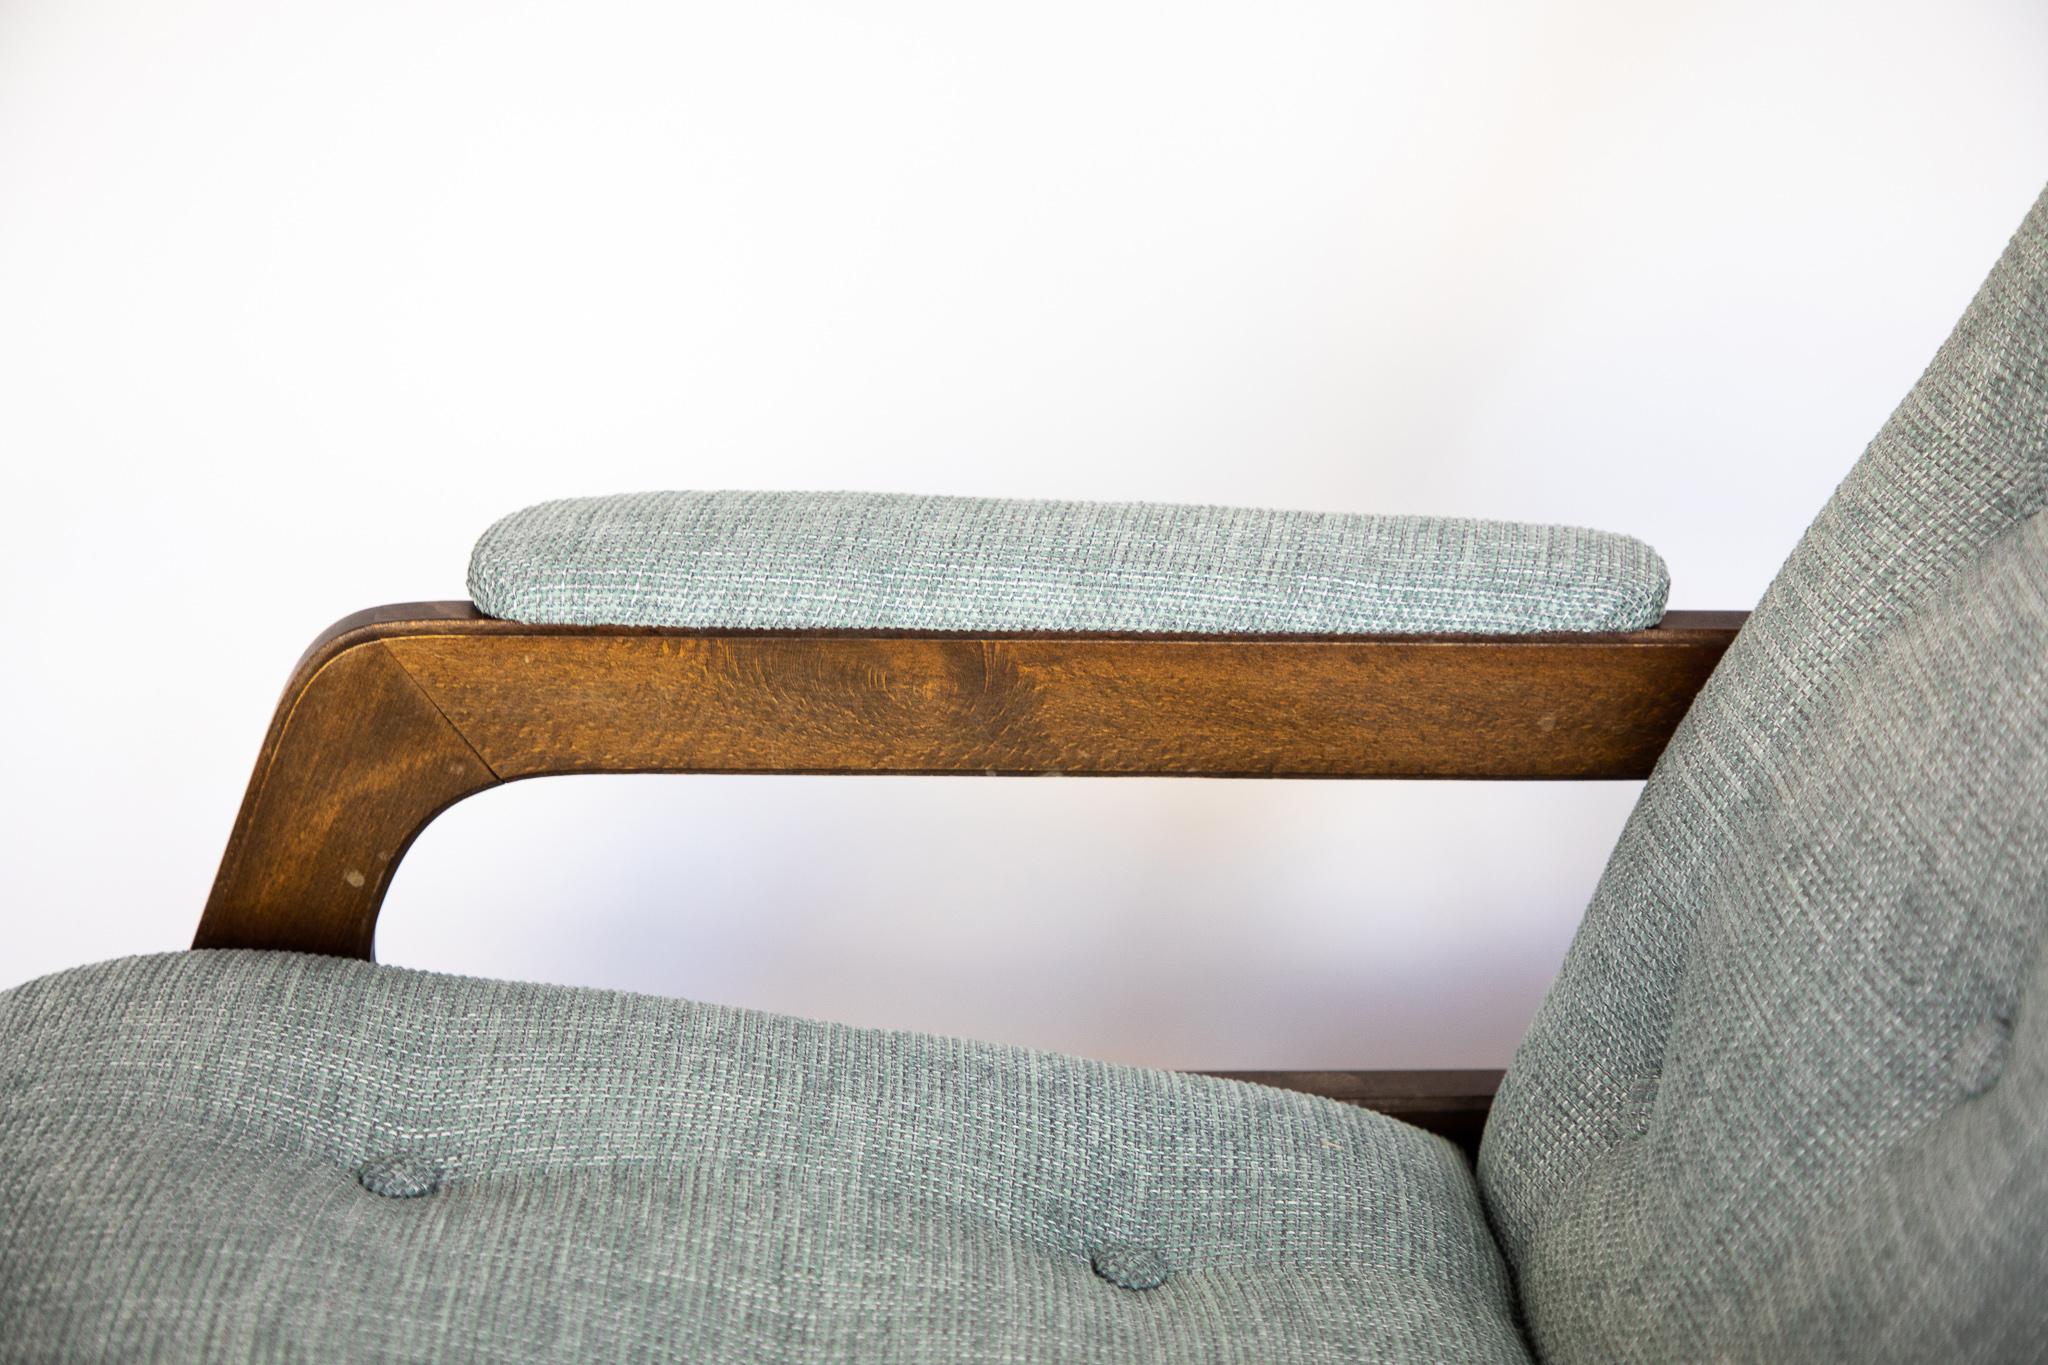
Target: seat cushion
point(235, 1155)
point(887, 561)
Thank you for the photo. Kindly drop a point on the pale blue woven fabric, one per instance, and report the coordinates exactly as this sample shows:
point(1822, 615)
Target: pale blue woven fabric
point(890, 561)
point(234, 1156)
point(1789, 1100)
point(1789, 1097)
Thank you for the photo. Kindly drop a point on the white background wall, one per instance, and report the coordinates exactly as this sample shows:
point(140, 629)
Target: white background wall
point(295, 299)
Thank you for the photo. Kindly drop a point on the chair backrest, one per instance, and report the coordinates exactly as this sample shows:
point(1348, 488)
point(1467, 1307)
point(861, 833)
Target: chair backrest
point(1789, 1096)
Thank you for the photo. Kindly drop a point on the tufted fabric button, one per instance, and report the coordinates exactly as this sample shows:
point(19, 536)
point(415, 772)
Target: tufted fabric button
point(399, 1175)
point(1129, 1265)
point(1981, 1055)
point(1642, 1100)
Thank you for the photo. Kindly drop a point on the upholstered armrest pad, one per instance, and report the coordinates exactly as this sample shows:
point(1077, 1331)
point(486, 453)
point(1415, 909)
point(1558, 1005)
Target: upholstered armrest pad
point(891, 561)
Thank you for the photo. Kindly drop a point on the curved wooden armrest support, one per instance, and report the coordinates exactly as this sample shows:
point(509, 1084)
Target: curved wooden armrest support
point(397, 713)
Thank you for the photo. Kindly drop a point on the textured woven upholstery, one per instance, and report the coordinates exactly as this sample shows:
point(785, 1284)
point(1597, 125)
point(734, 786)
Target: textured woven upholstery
point(872, 560)
point(193, 1142)
point(1761, 1114)
point(1788, 1100)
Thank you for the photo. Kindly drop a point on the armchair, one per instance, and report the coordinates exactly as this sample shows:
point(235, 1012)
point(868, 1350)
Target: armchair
point(1788, 1098)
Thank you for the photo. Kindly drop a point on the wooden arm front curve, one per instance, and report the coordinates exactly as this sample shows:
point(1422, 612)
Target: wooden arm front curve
point(397, 713)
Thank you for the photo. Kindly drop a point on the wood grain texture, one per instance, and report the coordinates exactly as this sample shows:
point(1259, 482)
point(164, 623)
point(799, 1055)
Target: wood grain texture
point(396, 713)
point(358, 759)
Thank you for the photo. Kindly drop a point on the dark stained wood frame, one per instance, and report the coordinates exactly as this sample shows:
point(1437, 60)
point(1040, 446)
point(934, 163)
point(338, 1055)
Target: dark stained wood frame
point(396, 713)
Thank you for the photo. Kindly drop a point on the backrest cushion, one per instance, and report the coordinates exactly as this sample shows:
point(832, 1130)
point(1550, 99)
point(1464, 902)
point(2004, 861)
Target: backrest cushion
point(1787, 1093)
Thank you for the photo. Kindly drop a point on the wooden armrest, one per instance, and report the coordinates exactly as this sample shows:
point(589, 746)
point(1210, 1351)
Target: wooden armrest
point(396, 713)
